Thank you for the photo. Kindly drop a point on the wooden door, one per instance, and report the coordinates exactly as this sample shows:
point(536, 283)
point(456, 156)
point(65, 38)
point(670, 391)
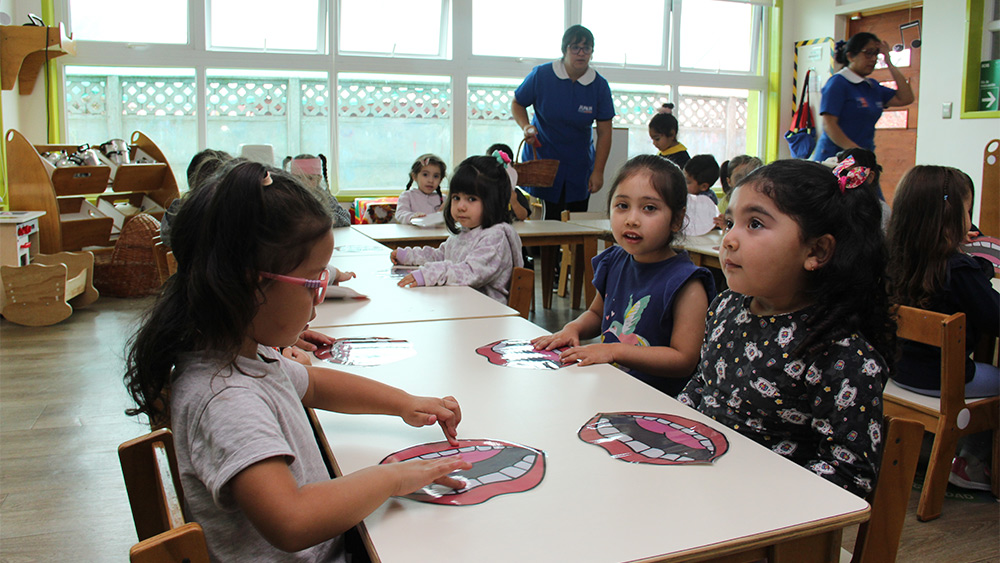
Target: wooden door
point(896, 132)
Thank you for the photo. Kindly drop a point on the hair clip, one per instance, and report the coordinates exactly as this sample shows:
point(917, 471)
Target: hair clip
point(850, 176)
point(424, 161)
point(502, 158)
point(267, 179)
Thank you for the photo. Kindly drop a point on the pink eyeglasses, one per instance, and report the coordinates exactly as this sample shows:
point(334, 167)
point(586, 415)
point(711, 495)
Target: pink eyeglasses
point(319, 285)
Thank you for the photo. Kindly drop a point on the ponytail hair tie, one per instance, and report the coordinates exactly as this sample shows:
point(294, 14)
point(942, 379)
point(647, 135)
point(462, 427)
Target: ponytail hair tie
point(502, 159)
point(267, 179)
point(849, 178)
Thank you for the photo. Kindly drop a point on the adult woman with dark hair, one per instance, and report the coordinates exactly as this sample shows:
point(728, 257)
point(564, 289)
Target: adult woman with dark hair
point(852, 103)
point(568, 96)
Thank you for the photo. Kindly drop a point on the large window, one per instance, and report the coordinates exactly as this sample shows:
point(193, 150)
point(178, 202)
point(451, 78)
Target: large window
point(374, 85)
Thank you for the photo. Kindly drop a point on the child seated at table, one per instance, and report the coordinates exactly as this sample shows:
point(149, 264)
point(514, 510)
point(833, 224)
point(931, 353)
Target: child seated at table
point(701, 172)
point(663, 132)
point(651, 301)
point(520, 207)
point(252, 251)
point(311, 171)
point(731, 172)
point(795, 351)
point(484, 247)
point(427, 172)
point(932, 215)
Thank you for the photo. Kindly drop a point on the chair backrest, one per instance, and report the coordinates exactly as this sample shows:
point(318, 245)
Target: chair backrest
point(160, 251)
point(878, 538)
point(566, 215)
point(946, 332)
point(152, 481)
point(522, 285)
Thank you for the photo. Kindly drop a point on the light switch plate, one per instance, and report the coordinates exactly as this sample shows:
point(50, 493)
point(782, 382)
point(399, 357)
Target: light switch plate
point(946, 110)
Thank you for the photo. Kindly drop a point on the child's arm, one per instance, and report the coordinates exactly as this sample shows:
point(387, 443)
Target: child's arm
point(404, 208)
point(418, 255)
point(489, 257)
point(677, 360)
point(586, 326)
point(294, 518)
point(352, 394)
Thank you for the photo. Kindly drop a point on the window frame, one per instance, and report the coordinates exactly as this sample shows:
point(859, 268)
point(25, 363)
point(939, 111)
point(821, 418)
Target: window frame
point(459, 64)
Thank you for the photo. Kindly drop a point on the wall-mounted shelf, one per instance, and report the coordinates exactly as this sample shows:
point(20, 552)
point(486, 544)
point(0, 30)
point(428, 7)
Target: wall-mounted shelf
point(25, 48)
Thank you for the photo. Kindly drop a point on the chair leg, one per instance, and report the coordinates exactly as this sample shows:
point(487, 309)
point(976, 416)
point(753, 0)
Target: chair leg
point(995, 477)
point(938, 469)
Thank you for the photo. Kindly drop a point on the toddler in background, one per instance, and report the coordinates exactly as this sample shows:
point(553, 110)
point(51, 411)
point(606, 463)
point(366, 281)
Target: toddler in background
point(311, 171)
point(795, 352)
point(701, 172)
point(520, 207)
point(202, 166)
point(651, 300)
point(730, 174)
point(252, 252)
point(663, 132)
point(427, 172)
point(484, 248)
point(931, 218)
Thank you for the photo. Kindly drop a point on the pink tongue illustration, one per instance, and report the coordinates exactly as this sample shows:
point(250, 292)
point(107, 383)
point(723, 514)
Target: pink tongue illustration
point(477, 456)
point(670, 432)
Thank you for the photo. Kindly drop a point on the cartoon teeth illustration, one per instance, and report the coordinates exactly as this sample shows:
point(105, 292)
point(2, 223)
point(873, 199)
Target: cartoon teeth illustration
point(654, 438)
point(498, 468)
point(520, 354)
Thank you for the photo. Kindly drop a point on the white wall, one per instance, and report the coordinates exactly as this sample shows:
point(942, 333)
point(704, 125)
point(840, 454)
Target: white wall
point(951, 142)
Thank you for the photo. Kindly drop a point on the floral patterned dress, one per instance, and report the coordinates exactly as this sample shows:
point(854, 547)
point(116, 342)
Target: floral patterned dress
point(822, 412)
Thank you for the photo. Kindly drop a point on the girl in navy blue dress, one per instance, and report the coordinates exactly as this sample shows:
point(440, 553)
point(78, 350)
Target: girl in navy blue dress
point(651, 300)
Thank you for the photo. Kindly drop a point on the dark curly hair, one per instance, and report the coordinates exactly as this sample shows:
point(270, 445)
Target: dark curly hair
point(849, 290)
point(226, 232)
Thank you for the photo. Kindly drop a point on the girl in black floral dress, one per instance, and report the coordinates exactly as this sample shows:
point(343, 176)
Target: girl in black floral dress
point(795, 353)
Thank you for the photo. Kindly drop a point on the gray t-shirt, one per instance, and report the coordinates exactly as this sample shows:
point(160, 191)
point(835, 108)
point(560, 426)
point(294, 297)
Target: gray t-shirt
point(225, 421)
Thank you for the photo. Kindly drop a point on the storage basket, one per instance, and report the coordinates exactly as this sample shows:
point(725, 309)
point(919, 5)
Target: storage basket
point(536, 173)
point(131, 270)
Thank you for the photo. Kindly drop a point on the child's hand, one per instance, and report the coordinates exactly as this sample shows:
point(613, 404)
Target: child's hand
point(565, 337)
point(343, 276)
point(720, 222)
point(309, 340)
point(294, 353)
point(423, 411)
point(392, 256)
point(408, 281)
point(587, 355)
point(414, 474)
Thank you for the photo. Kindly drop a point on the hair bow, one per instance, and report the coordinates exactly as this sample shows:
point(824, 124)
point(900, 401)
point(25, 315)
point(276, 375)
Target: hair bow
point(850, 176)
point(267, 179)
point(502, 158)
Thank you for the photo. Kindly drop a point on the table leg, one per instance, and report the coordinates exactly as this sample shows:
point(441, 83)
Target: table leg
point(583, 271)
point(548, 255)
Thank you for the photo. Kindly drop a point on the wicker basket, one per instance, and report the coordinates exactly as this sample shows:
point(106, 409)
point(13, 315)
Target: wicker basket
point(536, 173)
point(131, 269)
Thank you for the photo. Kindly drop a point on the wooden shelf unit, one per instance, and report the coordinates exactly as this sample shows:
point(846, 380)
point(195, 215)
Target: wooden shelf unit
point(71, 222)
point(25, 48)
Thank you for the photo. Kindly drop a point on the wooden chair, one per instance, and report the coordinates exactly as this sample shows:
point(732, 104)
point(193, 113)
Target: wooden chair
point(878, 538)
point(566, 264)
point(152, 480)
point(522, 289)
point(949, 417)
point(160, 252)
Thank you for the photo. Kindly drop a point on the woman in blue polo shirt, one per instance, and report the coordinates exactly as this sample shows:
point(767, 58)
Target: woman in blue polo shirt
point(568, 97)
point(851, 102)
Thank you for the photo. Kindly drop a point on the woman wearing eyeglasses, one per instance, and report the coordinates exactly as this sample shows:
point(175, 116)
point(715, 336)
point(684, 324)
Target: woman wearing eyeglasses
point(852, 103)
point(568, 97)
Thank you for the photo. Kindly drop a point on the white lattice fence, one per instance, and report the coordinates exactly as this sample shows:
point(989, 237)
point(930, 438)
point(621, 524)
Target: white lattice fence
point(399, 100)
point(246, 98)
point(490, 102)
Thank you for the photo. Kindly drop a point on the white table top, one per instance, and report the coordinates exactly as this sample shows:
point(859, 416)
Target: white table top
point(349, 242)
point(704, 244)
point(389, 303)
point(395, 232)
point(589, 507)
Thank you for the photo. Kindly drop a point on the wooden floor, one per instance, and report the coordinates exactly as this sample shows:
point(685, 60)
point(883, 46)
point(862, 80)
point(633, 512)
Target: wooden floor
point(61, 419)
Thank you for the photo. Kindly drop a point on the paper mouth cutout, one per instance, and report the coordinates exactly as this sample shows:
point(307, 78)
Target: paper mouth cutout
point(654, 438)
point(520, 354)
point(498, 468)
point(365, 351)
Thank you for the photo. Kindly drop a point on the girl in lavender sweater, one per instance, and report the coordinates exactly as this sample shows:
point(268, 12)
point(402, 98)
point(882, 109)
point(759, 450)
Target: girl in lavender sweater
point(484, 248)
point(427, 172)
